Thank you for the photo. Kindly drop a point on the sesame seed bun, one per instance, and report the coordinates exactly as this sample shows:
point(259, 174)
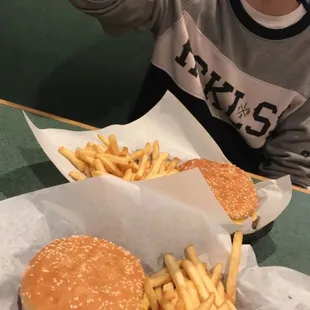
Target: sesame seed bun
point(232, 187)
point(82, 272)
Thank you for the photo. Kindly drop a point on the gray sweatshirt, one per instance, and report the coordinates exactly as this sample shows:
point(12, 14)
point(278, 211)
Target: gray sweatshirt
point(248, 85)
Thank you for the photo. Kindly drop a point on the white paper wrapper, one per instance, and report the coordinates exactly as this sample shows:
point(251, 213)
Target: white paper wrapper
point(178, 133)
point(273, 288)
point(145, 222)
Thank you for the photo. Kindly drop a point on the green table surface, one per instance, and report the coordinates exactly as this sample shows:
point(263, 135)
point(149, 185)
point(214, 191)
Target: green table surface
point(24, 168)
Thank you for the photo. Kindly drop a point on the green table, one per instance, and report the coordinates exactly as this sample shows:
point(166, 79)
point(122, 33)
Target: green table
point(25, 168)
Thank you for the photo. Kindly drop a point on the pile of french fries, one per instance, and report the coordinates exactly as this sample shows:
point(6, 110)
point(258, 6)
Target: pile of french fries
point(187, 284)
point(98, 159)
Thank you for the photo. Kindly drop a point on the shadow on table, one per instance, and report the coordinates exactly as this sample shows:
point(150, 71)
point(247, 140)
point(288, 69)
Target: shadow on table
point(263, 248)
point(30, 178)
point(100, 84)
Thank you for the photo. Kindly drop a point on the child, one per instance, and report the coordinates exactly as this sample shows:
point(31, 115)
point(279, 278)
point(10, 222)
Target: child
point(241, 67)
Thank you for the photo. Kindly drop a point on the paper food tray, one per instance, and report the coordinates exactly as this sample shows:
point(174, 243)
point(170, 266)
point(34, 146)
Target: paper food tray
point(181, 135)
point(144, 221)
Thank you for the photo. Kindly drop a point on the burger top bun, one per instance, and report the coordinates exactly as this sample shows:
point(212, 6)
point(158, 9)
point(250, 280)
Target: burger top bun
point(232, 187)
point(82, 272)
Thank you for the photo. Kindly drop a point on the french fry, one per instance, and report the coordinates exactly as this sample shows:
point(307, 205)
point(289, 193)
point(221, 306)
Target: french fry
point(133, 178)
point(87, 159)
point(175, 300)
point(110, 166)
point(161, 279)
point(168, 287)
point(137, 154)
point(86, 156)
point(128, 175)
point(125, 150)
point(196, 279)
point(156, 176)
point(162, 166)
point(147, 149)
point(178, 280)
point(132, 165)
point(169, 295)
point(231, 305)
point(209, 284)
point(235, 258)
point(207, 305)
point(142, 166)
point(90, 146)
point(167, 164)
point(158, 293)
point(123, 161)
point(187, 285)
point(221, 289)
point(172, 165)
point(180, 305)
point(165, 304)
point(99, 148)
point(145, 174)
point(150, 294)
point(193, 257)
point(146, 163)
point(155, 153)
point(165, 270)
point(159, 175)
point(87, 171)
point(184, 295)
point(204, 265)
point(92, 170)
point(177, 167)
point(108, 151)
point(97, 173)
point(164, 155)
point(77, 176)
point(191, 254)
point(78, 164)
point(114, 145)
point(98, 165)
point(104, 140)
point(216, 274)
point(224, 306)
point(156, 165)
point(193, 294)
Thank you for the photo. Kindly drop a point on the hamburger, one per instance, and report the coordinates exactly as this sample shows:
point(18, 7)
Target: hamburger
point(83, 272)
point(231, 186)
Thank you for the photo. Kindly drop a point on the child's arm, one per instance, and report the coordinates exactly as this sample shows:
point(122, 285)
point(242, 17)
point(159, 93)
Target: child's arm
point(288, 150)
point(119, 16)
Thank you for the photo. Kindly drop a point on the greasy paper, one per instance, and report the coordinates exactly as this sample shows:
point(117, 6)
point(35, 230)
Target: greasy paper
point(142, 220)
point(178, 133)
